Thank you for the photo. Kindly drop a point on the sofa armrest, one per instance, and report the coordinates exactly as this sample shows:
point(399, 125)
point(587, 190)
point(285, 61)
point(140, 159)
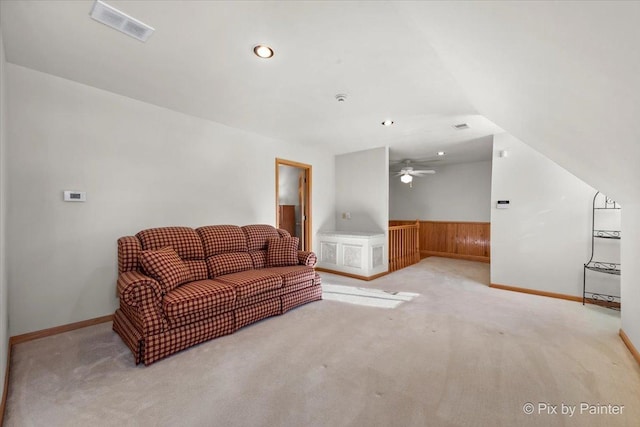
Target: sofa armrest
point(307, 258)
point(145, 295)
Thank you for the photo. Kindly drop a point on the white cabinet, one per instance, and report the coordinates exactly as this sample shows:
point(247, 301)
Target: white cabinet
point(362, 254)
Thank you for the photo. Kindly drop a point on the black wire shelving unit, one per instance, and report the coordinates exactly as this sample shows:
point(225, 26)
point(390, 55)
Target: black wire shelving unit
point(609, 300)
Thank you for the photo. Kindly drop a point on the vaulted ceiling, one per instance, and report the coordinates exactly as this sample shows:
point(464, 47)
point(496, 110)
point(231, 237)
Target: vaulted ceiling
point(561, 76)
point(564, 77)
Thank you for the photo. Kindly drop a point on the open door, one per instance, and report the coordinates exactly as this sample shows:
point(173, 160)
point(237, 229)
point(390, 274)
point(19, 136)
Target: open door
point(293, 200)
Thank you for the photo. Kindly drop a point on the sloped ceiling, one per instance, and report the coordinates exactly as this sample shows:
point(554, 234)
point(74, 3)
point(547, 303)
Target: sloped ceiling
point(561, 76)
point(200, 62)
point(564, 77)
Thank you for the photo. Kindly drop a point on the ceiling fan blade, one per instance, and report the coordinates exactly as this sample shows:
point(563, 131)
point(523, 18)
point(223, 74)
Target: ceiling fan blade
point(413, 162)
point(422, 172)
point(427, 160)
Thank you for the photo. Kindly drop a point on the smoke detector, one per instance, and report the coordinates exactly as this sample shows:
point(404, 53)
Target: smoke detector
point(112, 17)
point(341, 97)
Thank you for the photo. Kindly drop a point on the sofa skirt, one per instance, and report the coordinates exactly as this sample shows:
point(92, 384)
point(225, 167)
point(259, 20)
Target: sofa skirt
point(303, 296)
point(156, 347)
point(258, 311)
point(162, 345)
point(129, 334)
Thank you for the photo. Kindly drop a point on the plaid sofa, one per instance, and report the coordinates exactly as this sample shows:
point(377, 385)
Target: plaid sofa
point(180, 286)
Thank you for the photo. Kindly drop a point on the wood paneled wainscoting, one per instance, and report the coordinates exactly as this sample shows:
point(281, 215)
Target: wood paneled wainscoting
point(404, 245)
point(453, 239)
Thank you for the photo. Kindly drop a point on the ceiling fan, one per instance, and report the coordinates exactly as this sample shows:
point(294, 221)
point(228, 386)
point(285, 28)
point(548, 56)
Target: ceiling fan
point(407, 172)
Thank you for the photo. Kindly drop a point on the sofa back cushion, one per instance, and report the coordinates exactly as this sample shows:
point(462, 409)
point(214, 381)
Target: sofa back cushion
point(198, 268)
point(258, 235)
point(220, 239)
point(129, 249)
point(184, 240)
point(259, 259)
point(232, 262)
point(165, 266)
point(283, 232)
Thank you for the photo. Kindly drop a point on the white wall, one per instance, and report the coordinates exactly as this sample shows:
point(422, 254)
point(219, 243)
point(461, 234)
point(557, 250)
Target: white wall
point(4, 312)
point(543, 239)
point(459, 192)
point(141, 166)
point(362, 189)
point(631, 272)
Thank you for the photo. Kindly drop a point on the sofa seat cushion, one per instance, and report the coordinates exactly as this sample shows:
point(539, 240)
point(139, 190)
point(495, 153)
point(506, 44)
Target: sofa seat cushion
point(198, 296)
point(252, 282)
point(293, 274)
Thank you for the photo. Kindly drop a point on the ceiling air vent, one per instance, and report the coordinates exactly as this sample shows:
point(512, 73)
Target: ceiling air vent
point(120, 21)
point(461, 126)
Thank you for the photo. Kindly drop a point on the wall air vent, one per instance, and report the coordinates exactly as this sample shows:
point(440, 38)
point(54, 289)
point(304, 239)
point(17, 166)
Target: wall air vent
point(122, 22)
point(461, 126)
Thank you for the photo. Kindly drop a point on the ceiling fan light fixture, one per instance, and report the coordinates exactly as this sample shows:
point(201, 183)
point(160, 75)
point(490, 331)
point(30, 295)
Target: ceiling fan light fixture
point(263, 51)
point(406, 178)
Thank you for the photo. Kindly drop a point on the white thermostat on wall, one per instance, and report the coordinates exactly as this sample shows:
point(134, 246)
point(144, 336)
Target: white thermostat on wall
point(502, 204)
point(75, 196)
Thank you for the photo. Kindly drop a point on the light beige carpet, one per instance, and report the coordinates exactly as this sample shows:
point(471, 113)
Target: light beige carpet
point(458, 354)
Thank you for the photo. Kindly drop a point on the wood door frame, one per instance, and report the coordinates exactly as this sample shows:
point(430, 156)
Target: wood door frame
point(307, 210)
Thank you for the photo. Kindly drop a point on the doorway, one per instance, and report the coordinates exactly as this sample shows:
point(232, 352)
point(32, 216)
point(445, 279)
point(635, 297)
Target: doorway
point(293, 200)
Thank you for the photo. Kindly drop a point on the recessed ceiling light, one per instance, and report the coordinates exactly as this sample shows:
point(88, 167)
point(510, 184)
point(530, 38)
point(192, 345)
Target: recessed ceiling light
point(263, 51)
point(441, 153)
point(387, 122)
